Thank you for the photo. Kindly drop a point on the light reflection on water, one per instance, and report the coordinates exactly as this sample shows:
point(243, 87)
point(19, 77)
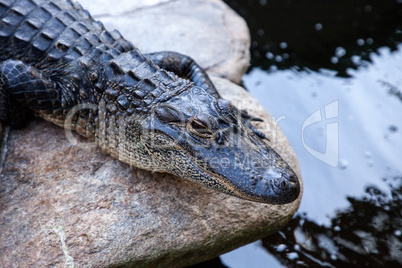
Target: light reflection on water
point(338, 35)
point(370, 142)
point(369, 127)
point(251, 255)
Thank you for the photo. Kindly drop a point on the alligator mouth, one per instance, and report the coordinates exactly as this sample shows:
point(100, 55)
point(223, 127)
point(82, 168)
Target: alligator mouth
point(281, 190)
point(273, 187)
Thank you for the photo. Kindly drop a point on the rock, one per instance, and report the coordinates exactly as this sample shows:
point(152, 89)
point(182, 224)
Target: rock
point(109, 214)
point(206, 30)
point(62, 204)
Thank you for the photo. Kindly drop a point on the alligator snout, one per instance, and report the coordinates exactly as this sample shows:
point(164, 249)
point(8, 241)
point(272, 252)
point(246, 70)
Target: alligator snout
point(288, 186)
point(273, 186)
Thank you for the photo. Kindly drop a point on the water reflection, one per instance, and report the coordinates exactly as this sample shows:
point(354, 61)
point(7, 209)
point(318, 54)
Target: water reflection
point(314, 34)
point(337, 225)
point(368, 233)
point(365, 146)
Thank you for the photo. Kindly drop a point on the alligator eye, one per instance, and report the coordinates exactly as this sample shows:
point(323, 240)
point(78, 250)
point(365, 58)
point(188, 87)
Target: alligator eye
point(168, 114)
point(200, 128)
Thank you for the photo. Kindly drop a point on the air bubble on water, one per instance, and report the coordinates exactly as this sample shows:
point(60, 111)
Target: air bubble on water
point(281, 247)
point(273, 68)
point(283, 45)
point(318, 26)
point(292, 255)
point(340, 52)
point(357, 60)
point(368, 8)
point(278, 58)
point(360, 42)
point(334, 60)
point(369, 41)
point(337, 228)
point(269, 55)
point(343, 164)
point(398, 233)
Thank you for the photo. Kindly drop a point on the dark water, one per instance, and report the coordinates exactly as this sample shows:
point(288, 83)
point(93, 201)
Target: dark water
point(315, 34)
point(330, 72)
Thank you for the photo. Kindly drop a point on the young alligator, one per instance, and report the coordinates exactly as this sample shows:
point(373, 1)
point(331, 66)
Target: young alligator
point(159, 111)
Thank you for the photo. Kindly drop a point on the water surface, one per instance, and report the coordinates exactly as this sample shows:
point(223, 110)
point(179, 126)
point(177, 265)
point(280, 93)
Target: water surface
point(330, 72)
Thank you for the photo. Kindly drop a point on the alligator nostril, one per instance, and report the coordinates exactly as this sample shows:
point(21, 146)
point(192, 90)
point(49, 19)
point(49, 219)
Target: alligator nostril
point(219, 138)
point(291, 178)
point(281, 183)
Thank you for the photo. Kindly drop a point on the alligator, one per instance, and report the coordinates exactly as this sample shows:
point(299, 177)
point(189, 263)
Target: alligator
point(158, 111)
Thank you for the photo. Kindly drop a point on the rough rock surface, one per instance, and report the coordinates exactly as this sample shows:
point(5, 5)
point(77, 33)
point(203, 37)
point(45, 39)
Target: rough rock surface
point(64, 204)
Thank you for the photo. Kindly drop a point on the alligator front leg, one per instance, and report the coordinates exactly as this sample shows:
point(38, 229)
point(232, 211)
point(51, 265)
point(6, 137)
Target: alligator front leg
point(23, 86)
point(11, 112)
point(185, 67)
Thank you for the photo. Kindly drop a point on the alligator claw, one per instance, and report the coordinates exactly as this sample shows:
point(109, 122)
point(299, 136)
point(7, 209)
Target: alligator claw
point(248, 119)
point(257, 132)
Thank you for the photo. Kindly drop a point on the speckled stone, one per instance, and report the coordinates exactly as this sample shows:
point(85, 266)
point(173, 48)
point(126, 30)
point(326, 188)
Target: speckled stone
point(63, 205)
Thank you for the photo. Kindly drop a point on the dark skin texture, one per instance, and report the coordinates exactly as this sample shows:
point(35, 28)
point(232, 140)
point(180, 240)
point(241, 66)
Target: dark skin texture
point(157, 111)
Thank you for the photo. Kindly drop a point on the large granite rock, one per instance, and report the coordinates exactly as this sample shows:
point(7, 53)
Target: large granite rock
point(64, 204)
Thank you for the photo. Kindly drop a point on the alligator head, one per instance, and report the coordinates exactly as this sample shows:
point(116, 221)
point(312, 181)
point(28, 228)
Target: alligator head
point(197, 137)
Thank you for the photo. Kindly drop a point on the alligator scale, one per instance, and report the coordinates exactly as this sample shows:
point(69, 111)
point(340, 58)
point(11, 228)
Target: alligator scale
point(158, 111)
